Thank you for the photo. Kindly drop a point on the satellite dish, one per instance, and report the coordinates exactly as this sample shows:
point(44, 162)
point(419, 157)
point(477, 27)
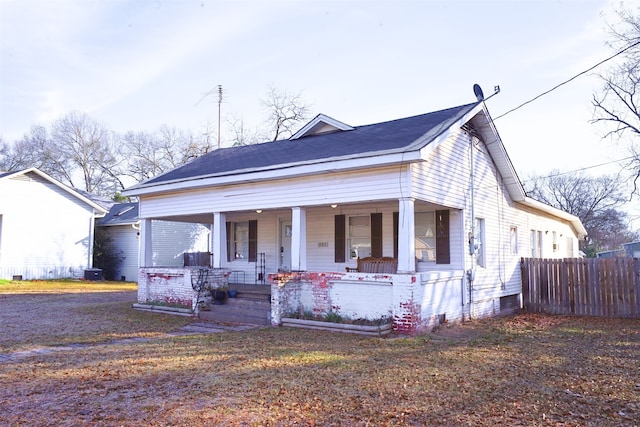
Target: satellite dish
point(477, 90)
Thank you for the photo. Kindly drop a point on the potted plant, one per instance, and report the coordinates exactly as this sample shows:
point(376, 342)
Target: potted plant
point(219, 294)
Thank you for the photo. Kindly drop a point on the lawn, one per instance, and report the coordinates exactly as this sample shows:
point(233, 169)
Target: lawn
point(527, 370)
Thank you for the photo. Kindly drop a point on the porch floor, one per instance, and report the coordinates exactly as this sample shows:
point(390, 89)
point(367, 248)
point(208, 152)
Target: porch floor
point(251, 306)
point(249, 289)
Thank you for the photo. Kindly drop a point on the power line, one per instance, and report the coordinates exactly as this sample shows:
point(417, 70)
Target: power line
point(537, 178)
point(569, 80)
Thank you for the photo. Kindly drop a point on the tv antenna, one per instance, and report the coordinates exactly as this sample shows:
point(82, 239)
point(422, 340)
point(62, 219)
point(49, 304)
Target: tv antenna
point(211, 92)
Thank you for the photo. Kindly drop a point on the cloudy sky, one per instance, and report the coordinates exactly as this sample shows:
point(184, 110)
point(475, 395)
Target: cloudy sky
point(135, 65)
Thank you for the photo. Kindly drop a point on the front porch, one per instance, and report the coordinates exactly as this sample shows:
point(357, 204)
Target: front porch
point(414, 301)
point(251, 304)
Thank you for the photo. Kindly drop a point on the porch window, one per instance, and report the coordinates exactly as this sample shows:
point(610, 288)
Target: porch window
point(359, 236)
point(241, 240)
point(425, 235)
point(432, 236)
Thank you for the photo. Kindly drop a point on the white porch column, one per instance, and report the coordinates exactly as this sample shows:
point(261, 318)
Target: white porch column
point(145, 255)
point(406, 236)
point(219, 248)
point(298, 239)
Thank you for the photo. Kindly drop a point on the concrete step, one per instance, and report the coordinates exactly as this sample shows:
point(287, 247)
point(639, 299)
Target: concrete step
point(255, 292)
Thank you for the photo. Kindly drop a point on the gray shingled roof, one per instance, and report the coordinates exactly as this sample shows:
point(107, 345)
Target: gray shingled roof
point(396, 135)
point(120, 214)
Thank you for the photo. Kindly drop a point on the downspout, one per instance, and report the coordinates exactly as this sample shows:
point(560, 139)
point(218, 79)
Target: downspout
point(471, 273)
point(92, 225)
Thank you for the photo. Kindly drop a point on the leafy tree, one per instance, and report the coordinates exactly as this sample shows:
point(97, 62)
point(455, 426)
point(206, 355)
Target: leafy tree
point(597, 201)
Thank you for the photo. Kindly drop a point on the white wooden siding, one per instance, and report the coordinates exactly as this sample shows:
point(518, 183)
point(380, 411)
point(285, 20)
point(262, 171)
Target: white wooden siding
point(46, 231)
point(450, 164)
point(170, 240)
point(126, 241)
point(444, 177)
point(357, 186)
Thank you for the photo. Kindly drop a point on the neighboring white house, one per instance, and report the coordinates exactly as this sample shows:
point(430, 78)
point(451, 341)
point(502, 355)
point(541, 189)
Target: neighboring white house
point(46, 227)
point(435, 192)
point(171, 240)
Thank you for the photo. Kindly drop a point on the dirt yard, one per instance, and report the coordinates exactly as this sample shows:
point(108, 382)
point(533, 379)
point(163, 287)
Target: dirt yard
point(35, 314)
point(525, 370)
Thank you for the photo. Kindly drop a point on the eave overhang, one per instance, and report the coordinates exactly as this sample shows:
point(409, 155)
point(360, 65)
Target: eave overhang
point(281, 171)
point(550, 210)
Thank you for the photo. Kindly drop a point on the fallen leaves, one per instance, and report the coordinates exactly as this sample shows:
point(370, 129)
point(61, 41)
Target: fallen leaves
point(528, 370)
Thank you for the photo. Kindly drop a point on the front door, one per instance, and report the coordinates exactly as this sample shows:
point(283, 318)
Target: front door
point(285, 246)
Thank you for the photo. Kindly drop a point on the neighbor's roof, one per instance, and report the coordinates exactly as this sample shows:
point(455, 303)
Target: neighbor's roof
point(120, 214)
point(396, 136)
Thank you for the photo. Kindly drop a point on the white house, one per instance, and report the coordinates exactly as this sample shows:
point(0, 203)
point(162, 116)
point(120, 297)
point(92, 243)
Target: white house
point(436, 193)
point(46, 227)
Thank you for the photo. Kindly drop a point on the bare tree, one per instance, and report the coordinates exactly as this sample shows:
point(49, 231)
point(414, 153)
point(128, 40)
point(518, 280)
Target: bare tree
point(597, 201)
point(146, 155)
point(285, 112)
point(85, 147)
point(241, 135)
point(617, 106)
point(35, 149)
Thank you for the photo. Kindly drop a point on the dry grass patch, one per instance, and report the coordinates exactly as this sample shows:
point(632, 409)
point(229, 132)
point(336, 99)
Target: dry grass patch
point(50, 313)
point(525, 370)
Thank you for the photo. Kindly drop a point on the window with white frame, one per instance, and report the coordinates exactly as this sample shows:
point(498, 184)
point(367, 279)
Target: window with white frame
point(480, 242)
point(241, 240)
point(513, 239)
point(425, 236)
point(540, 254)
point(359, 236)
point(536, 244)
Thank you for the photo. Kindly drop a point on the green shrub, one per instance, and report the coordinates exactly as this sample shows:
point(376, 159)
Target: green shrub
point(105, 255)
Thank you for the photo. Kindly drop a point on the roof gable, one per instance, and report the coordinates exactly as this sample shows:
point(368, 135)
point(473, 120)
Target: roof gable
point(97, 207)
point(321, 124)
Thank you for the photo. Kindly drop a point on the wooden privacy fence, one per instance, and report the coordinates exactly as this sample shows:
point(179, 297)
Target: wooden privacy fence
point(606, 287)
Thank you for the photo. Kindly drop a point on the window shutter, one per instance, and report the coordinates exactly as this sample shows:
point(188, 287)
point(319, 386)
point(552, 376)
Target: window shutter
point(253, 240)
point(376, 235)
point(339, 235)
point(442, 238)
point(396, 217)
point(229, 229)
